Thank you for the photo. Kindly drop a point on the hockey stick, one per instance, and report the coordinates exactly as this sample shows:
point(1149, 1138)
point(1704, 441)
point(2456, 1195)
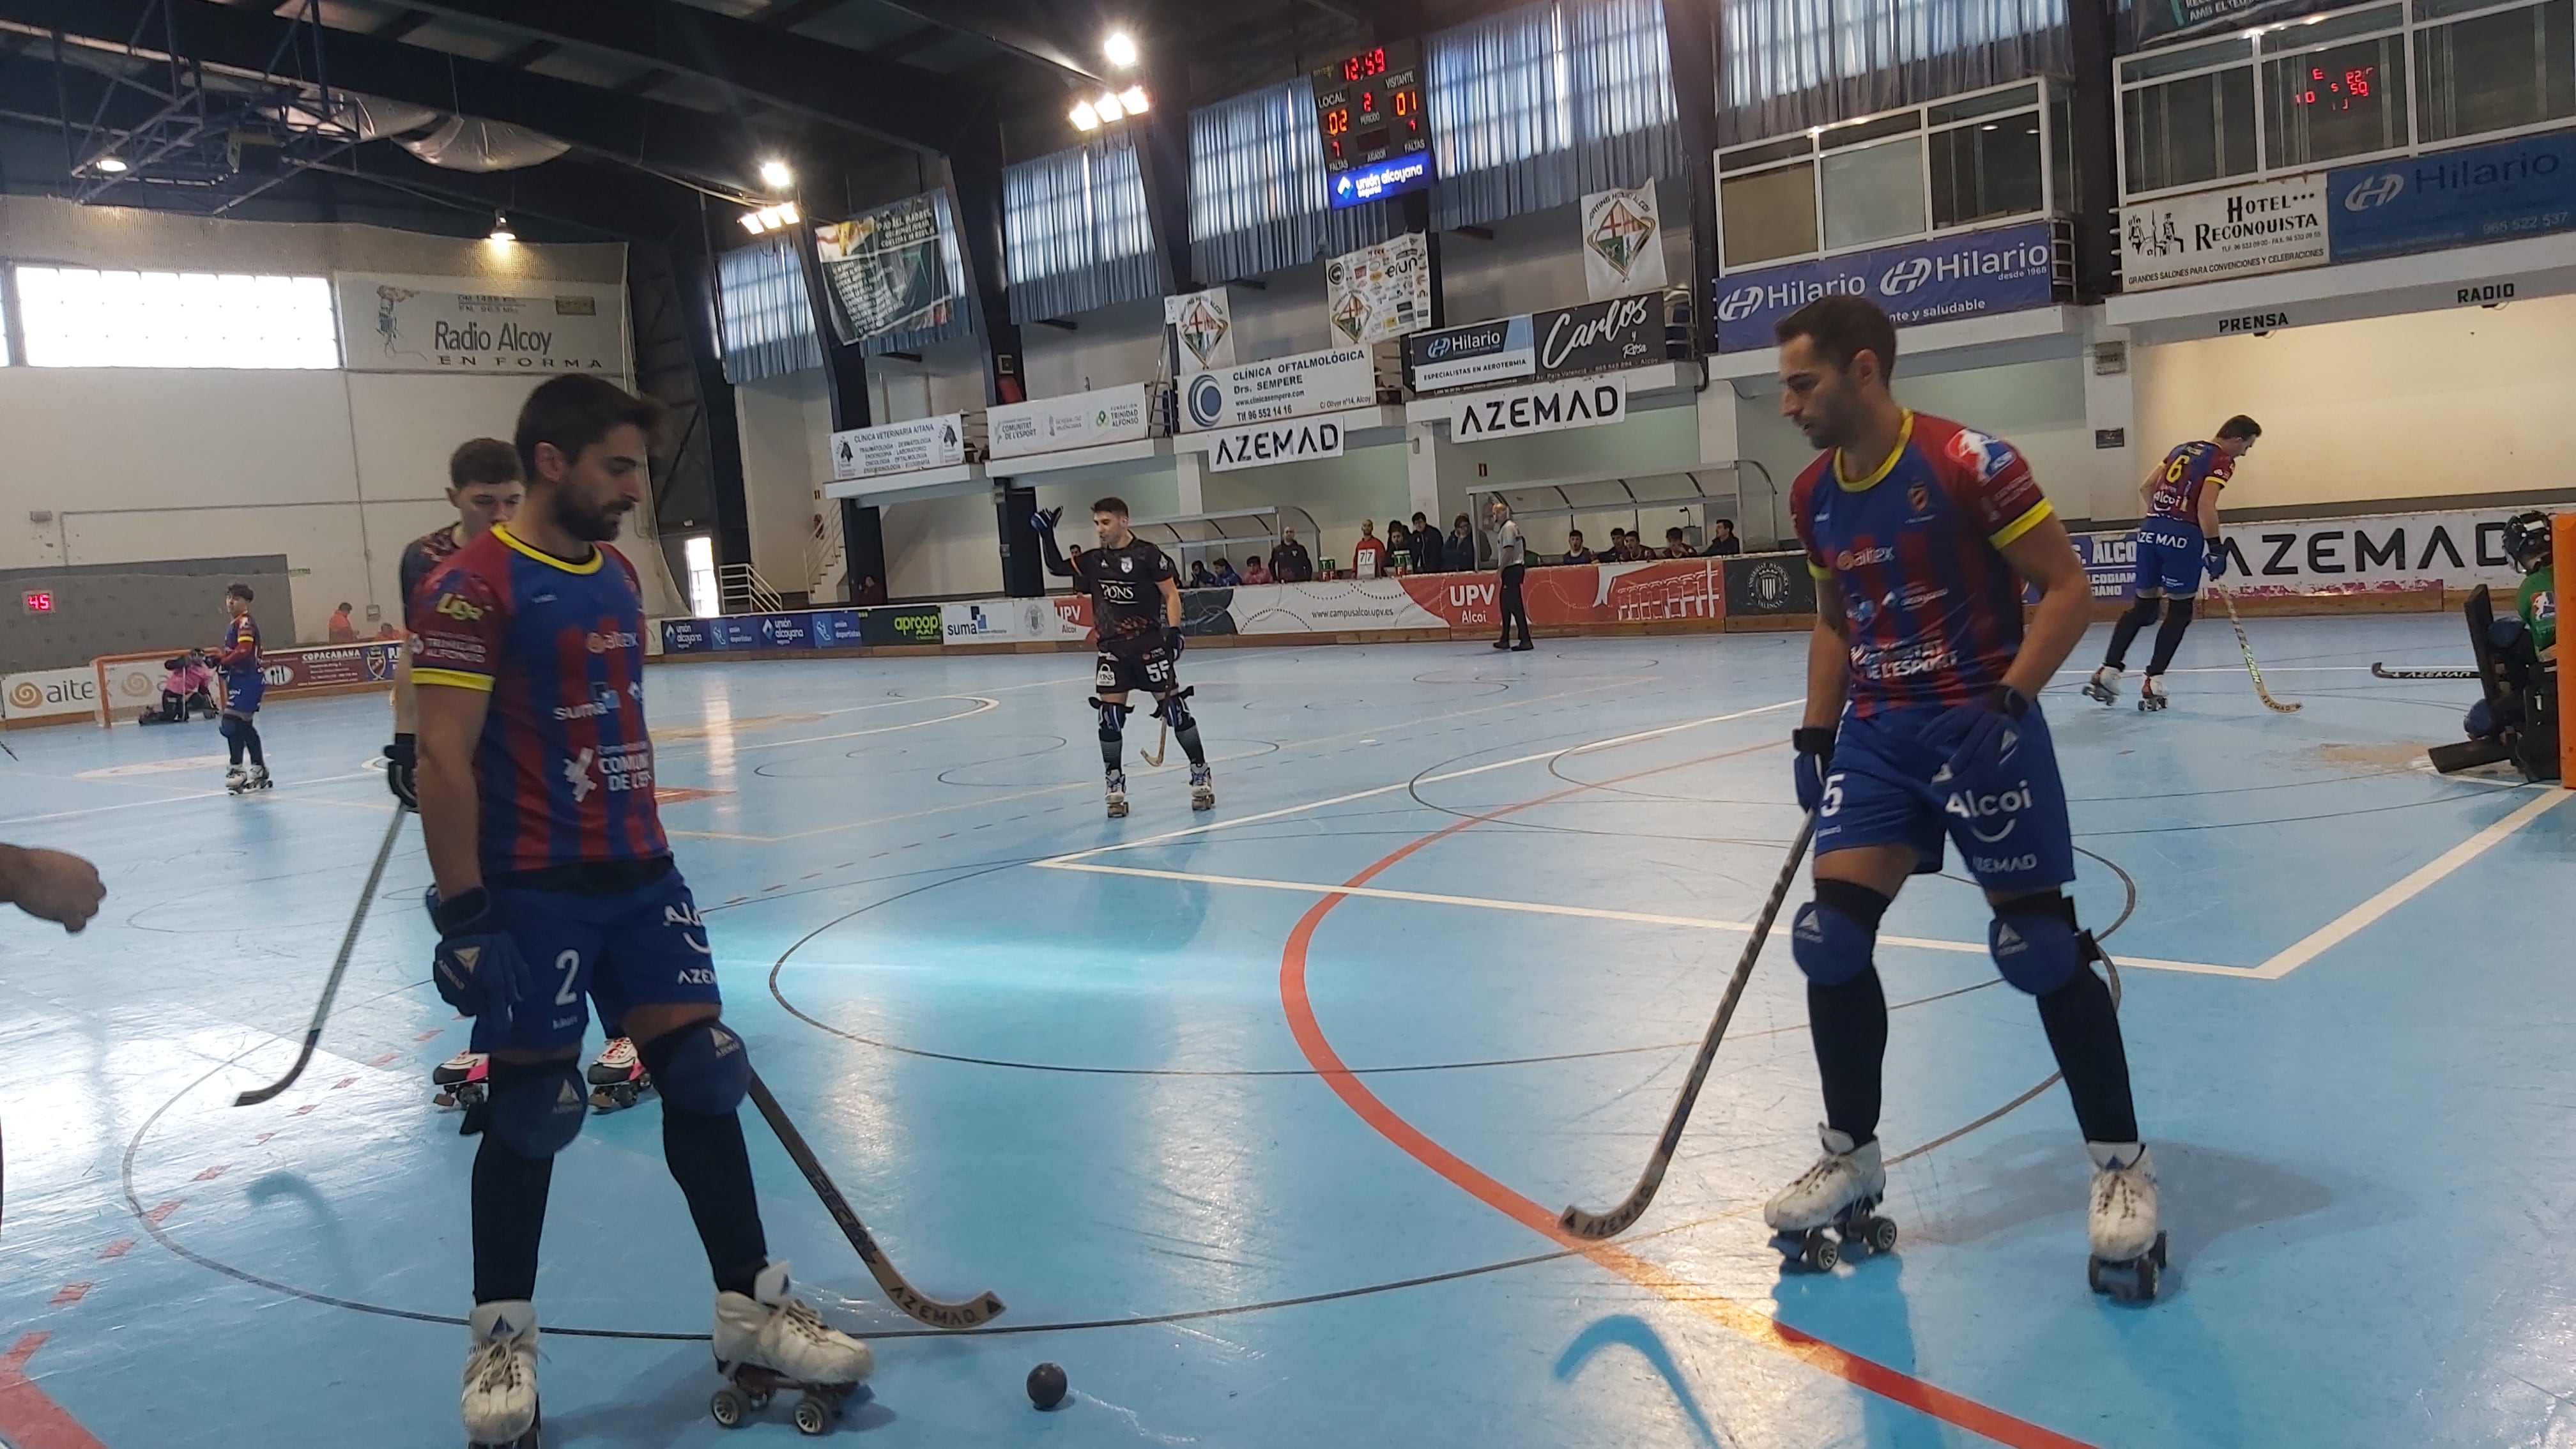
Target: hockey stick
point(2251, 667)
point(982, 1309)
point(5, 750)
point(1597, 1226)
point(2382, 671)
point(1162, 746)
point(331, 987)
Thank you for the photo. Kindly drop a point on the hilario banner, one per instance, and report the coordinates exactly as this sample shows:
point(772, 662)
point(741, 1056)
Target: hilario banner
point(1283, 387)
point(1623, 243)
point(1487, 352)
point(2241, 231)
point(886, 270)
point(1083, 420)
point(910, 447)
point(1540, 407)
point(2503, 192)
point(1201, 325)
point(480, 325)
point(1381, 292)
point(2006, 269)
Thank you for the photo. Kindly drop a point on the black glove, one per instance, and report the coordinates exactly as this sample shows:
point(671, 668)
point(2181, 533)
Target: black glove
point(1813, 761)
point(1173, 640)
point(1044, 520)
point(477, 967)
point(2217, 557)
point(402, 771)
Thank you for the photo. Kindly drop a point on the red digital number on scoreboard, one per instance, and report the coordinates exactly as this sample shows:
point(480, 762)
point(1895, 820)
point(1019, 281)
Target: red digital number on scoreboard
point(39, 602)
point(1367, 63)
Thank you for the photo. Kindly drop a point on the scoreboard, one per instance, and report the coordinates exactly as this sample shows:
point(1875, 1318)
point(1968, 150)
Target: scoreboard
point(1368, 111)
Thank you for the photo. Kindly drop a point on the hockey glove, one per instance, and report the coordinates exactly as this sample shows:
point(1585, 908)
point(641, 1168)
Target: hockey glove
point(1813, 761)
point(402, 771)
point(1173, 640)
point(2217, 557)
point(1982, 736)
point(477, 967)
point(1044, 520)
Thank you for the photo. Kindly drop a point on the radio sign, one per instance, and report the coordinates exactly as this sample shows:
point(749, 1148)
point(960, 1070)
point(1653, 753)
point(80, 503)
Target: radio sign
point(1375, 135)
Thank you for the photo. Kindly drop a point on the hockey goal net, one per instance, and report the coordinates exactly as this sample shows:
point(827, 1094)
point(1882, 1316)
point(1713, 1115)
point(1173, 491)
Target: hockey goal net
point(128, 684)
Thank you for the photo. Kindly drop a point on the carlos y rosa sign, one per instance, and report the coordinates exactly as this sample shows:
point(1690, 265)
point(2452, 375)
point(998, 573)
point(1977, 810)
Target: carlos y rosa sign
point(1595, 337)
point(481, 325)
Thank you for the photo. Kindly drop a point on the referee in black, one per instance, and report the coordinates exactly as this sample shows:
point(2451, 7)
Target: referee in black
point(1511, 555)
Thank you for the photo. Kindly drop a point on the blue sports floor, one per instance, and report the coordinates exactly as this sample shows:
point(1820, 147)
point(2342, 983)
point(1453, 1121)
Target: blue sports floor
point(1249, 1118)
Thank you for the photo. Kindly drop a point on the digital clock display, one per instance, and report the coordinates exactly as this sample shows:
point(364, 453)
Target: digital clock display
point(1370, 119)
point(2337, 90)
point(38, 601)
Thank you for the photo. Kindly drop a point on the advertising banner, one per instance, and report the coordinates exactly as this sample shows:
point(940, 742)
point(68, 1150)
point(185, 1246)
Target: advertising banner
point(1760, 584)
point(132, 685)
point(921, 624)
point(936, 442)
point(1380, 292)
point(53, 693)
point(886, 270)
point(2152, 21)
point(2007, 269)
point(1201, 325)
point(328, 667)
point(1284, 387)
point(1266, 443)
point(996, 621)
point(2380, 553)
point(1456, 357)
point(1540, 407)
point(2242, 231)
point(2495, 193)
point(1600, 336)
point(479, 325)
point(1623, 243)
point(1085, 419)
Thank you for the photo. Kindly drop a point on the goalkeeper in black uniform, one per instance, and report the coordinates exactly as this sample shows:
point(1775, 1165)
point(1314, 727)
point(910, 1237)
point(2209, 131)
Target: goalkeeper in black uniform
point(1136, 611)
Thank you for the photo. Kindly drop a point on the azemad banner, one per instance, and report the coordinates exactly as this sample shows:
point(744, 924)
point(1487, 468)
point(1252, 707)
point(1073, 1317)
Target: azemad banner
point(2453, 198)
point(481, 326)
point(2007, 269)
point(2377, 553)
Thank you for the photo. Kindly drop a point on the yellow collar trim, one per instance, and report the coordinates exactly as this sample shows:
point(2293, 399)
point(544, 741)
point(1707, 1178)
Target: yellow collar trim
point(590, 565)
point(1904, 435)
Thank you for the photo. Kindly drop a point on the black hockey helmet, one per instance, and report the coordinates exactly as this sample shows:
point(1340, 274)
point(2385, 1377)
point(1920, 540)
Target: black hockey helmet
point(2526, 540)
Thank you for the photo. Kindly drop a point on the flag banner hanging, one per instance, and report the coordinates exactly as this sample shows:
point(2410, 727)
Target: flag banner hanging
point(886, 270)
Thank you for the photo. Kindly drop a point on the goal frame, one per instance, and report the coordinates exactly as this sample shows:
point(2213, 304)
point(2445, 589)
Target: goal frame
point(106, 709)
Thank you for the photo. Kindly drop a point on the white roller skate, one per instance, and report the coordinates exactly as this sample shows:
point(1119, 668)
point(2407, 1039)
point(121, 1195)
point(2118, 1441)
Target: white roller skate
point(2104, 686)
point(772, 1341)
point(237, 779)
point(1202, 788)
point(1840, 1192)
point(618, 1079)
point(1118, 794)
point(257, 779)
point(501, 1377)
point(2128, 1244)
point(460, 1079)
point(2151, 694)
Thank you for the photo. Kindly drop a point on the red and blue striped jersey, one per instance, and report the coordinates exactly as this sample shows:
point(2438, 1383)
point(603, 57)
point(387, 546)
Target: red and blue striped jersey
point(238, 656)
point(1934, 609)
point(2189, 469)
point(564, 769)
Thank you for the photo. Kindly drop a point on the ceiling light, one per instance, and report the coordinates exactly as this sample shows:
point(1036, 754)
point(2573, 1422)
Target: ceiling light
point(112, 165)
point(752, 223)
point(775, 174)
point(1108, 107)
point(501, 233)
point(1084, 118)
point(1120, 47)
point(1133, 98)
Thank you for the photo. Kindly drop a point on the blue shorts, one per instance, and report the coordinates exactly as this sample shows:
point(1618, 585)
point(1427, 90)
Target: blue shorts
point(2011, 830)
point(2172, 556)
point(242, 693)
point(637, 947)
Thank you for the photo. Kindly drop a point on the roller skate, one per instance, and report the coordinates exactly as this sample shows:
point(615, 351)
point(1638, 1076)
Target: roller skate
point(2104, 686)
point(1840, 1192)
point(1118, 794)
point(1202, 788)
point(771, 1341)
point(236, 779)
point(460, 1079)
point(501, 1409)
point(2151, 695)
point(618, 1078)
point(2128, 1246)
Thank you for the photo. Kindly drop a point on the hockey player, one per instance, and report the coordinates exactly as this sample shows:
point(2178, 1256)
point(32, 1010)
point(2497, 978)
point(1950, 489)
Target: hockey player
point(237, 660)
point(2177, 538)
point(1136, 610)
point(484, 486)
point(554, 880)
point(1921, 722)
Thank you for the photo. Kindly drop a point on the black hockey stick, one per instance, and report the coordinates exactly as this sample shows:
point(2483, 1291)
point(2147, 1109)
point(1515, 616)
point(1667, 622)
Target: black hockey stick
point(982, 1309)
point(2247, 645)
point(2384, 672)
point(331, 987)
point(1597, 1226)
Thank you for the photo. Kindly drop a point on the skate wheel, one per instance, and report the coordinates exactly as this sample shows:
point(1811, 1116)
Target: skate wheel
point(812, 1417)
point(1881, 1235)
point(730, 1406)
point(1820, 1253)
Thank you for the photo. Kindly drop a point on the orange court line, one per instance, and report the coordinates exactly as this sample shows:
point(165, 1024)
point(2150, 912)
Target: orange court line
point(1889, 1383)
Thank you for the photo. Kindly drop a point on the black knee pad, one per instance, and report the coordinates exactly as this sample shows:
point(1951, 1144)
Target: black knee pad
point(535, 1109)
point(2037, 944)
point(1174, 709)
point(2178, 612)
point(2143, 612)
point(1113, 721)
point(702, 1067)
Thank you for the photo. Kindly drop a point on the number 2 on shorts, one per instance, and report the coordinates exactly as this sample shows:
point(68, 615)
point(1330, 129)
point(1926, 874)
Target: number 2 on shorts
point(569, 963)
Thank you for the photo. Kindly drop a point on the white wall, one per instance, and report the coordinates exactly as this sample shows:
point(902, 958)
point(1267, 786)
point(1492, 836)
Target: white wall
point(335, 470)
point(786, 423)
point(2431, 404)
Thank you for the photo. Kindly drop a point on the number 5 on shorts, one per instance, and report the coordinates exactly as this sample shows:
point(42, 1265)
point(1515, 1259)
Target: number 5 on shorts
point(1832, 800)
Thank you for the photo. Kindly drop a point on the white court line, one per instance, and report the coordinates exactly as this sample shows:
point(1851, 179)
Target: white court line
point(1595, 913)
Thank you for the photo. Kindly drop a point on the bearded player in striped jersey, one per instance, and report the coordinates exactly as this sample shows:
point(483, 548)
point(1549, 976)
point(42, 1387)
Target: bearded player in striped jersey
point(555, 885)
point(1921, 730)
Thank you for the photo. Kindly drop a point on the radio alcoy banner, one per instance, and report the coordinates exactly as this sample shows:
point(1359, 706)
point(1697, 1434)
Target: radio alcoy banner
point(1283, 387)
point(1623, 243)
point(2006, 269)
point(1083, 420)
point(481, 325)
point(885, 270)
point(1380, 292)
point(2241, 231)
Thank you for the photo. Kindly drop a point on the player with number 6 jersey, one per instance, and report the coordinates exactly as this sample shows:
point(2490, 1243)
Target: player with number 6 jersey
point(2178, 541)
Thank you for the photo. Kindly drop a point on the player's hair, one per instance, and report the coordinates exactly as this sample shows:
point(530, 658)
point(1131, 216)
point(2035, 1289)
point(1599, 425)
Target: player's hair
point(1672, 533)
point(574, 411)
point(1728, 523)
point(2239, 426)
point(239, 591)
point(1574, 533)
point(1111, 504)
point(1842, 327)
point(487, 461)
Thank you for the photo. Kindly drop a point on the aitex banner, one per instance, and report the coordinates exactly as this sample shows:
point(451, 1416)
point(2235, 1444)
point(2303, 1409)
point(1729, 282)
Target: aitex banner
point(1258, 446)
point(1283, 387)
point(48, 693)
point(481, 326)
point(934, 442)
point(1542, 407)
point(1083, 420)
